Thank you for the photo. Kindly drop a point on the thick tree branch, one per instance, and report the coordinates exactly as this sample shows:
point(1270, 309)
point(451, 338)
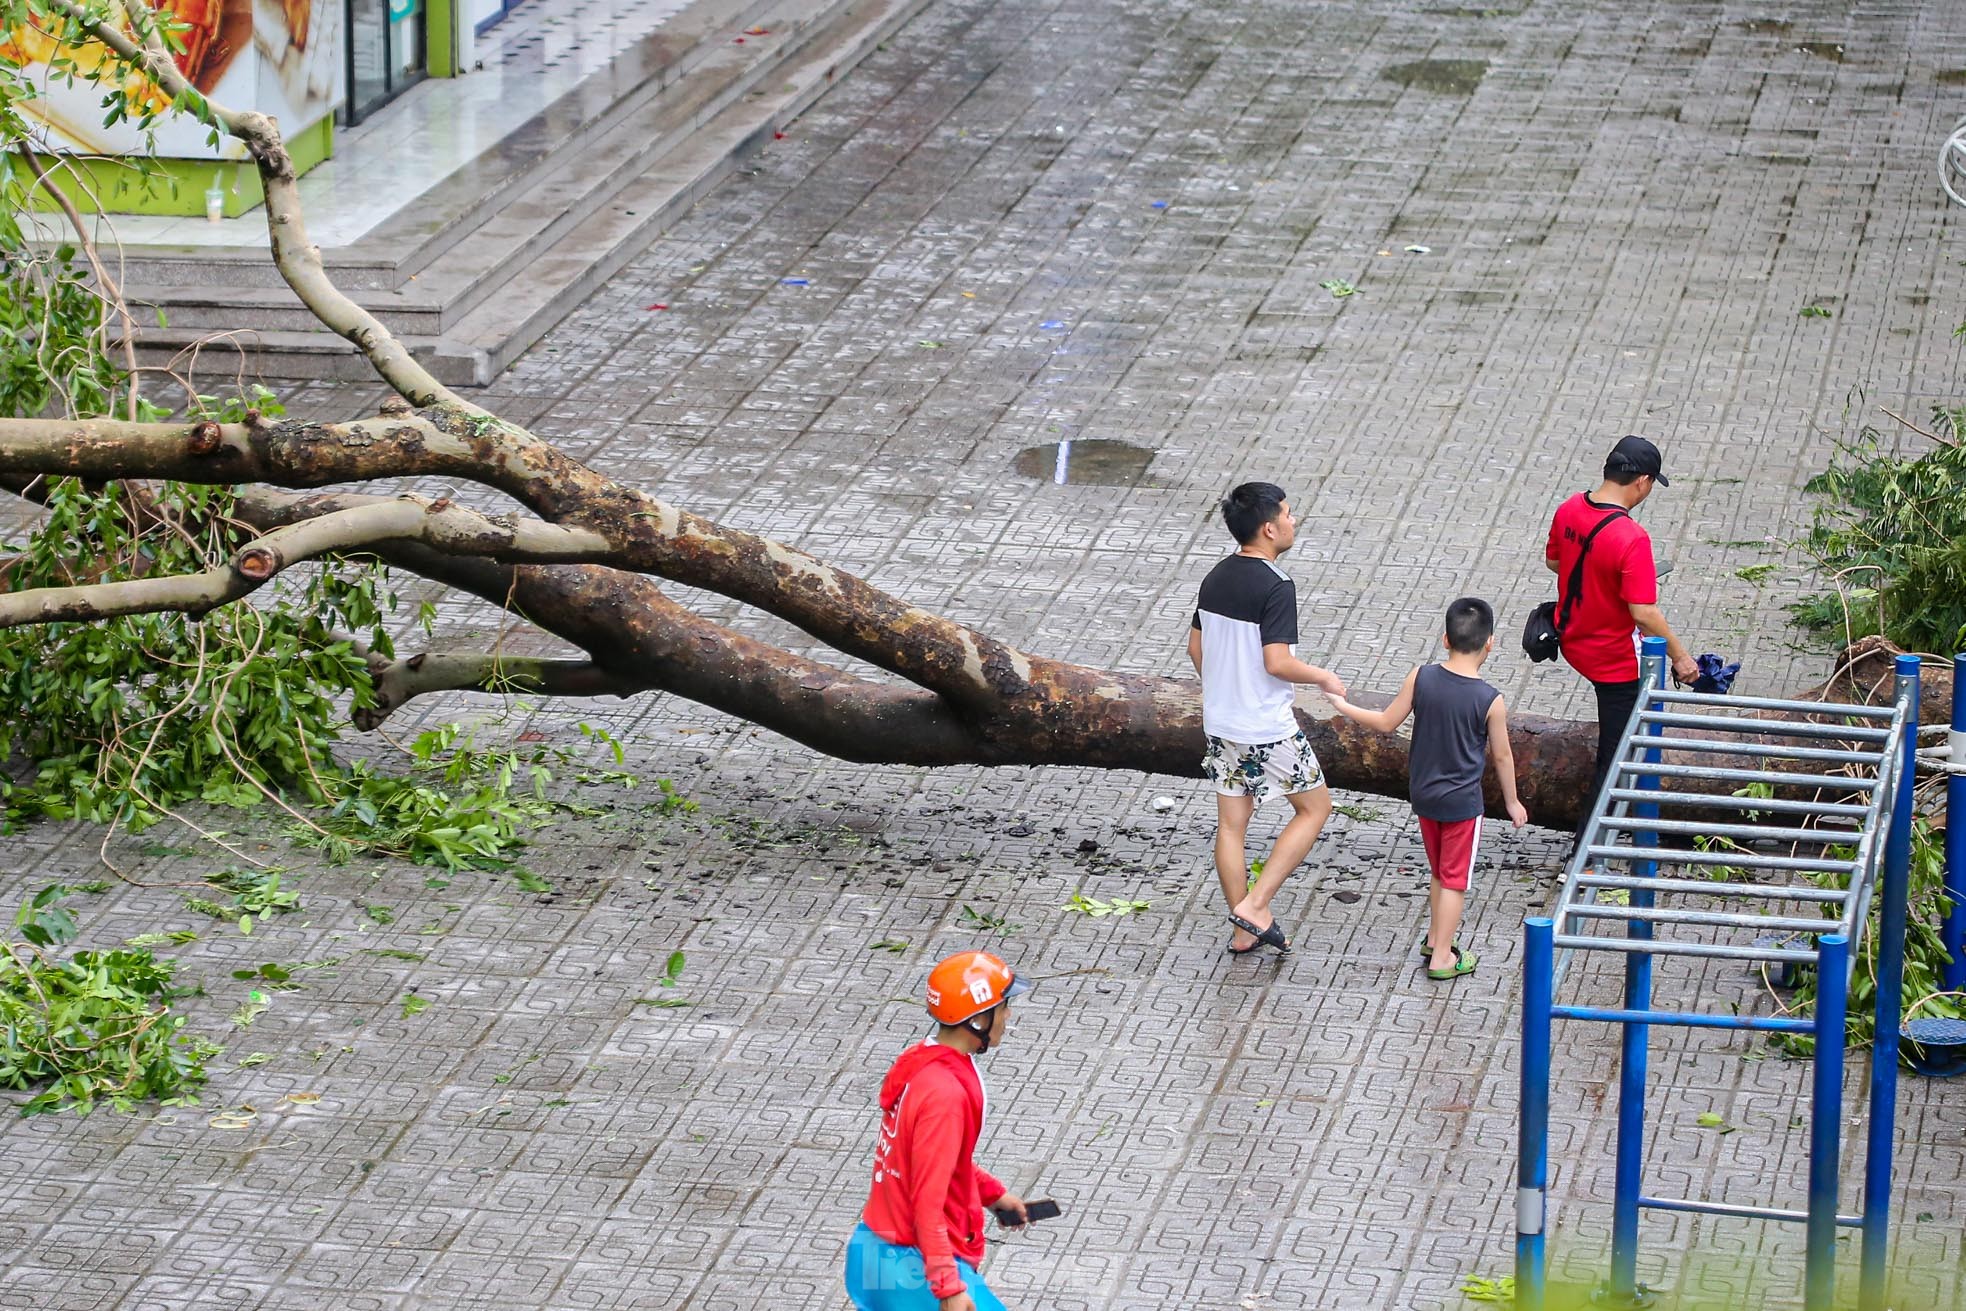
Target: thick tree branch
point(252, 567)
point(642, 639)
point(1079, 716)
point(440, 525)
point(973, 671)
point(398, 682)
point(1061, 713)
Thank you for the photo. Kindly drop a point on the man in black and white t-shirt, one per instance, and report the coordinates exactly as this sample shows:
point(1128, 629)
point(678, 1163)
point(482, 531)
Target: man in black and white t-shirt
point(1244, 646)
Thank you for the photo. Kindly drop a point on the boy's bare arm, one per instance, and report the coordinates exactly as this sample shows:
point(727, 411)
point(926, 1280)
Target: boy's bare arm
point(1381, 721)
point(1503, 755)
point(1281, 664)
point(1194, 649)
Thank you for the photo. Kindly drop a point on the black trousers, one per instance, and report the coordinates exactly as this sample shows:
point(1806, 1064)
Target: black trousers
point(1615, 702)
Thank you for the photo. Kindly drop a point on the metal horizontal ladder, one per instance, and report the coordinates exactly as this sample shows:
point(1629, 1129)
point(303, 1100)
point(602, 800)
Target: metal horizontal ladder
point(1711, 902)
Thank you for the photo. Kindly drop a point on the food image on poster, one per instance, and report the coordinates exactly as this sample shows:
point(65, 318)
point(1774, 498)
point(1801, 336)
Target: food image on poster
point(301, 43)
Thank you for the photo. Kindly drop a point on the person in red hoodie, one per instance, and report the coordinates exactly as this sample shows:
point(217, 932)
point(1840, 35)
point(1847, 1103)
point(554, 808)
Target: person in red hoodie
point(921, 1233)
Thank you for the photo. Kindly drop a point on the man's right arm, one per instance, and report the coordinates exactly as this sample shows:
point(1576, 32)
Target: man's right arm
point(1651, 621)
point(1278, 661)
point(1194, 649)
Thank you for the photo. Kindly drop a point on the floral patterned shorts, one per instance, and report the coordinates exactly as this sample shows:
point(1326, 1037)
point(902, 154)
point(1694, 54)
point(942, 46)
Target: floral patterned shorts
point(1262, 769)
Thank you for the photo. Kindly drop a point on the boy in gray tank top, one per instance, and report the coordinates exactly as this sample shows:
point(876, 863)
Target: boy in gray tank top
point(1459, 724)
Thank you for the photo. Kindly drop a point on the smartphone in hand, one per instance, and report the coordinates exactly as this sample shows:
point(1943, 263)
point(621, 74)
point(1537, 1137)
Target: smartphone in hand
point(1044, 1209)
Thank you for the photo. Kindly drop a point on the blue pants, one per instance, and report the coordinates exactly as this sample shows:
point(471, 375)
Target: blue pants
point(883, 1277)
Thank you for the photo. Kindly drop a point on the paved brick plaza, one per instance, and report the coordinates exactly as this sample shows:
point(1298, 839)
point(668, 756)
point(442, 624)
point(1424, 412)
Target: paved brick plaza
point(1626, 207)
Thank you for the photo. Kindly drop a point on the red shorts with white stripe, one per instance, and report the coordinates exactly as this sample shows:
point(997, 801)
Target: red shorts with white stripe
point(1451, 850)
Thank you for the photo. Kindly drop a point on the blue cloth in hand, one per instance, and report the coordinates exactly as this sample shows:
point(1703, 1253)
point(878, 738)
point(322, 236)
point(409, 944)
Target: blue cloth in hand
point(1716, 676)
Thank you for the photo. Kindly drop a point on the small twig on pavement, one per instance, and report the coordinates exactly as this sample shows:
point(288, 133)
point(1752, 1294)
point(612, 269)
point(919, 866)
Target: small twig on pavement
point(1932, 436)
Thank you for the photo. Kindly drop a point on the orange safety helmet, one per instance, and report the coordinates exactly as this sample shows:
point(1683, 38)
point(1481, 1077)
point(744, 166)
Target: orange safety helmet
point(969, 983)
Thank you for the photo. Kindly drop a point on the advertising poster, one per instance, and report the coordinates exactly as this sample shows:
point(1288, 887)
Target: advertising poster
point(281, 57)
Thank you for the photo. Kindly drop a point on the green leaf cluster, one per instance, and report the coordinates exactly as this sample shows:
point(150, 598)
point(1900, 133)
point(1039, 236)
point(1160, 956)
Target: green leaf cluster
point(1892, 532)
point(51, 325)
point(90, 1026)
point(459, 805)
point(1925, 955)
point(1097, 909)
point(140, 714)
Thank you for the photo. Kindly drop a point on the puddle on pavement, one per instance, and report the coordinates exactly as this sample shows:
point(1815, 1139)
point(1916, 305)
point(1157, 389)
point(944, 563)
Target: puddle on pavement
point(1829, 50)
point(1765, 26)
point(1094, 460)
point(1952, 77)
point(1447, 77)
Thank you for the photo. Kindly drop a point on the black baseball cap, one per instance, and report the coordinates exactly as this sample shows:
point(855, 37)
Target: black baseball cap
point(1636, 455)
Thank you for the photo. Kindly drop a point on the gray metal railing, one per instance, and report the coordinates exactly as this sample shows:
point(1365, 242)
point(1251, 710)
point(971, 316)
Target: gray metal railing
point(1863, 743)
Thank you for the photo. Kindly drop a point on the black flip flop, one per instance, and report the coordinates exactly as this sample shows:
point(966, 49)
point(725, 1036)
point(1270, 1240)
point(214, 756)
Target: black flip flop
point(1271, 935)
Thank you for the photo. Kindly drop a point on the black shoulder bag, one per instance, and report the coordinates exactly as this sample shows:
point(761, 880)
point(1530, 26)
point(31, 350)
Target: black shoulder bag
point(1542, 635)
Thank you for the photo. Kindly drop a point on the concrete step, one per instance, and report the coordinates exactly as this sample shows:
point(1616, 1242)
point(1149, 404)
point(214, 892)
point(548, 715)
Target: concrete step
point(476, 309)
point(646, 74)
point(440, 282)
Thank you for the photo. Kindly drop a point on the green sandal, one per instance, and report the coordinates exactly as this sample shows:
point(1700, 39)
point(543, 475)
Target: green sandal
point(1464, 963)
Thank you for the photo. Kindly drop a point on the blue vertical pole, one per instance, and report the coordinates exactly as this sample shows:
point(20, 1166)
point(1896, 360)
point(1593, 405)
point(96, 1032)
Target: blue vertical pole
point(1532, 1170)
point(1628, 1184)
point(1953, 931)
point(1890, 952)
point(1826, 1120)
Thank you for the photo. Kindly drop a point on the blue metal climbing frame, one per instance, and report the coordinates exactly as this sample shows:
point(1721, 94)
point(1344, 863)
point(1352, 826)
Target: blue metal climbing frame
point(1865, 842)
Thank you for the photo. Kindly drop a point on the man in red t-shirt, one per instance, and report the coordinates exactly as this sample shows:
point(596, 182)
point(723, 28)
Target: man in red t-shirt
point(1620, 593)
point(921, 1233)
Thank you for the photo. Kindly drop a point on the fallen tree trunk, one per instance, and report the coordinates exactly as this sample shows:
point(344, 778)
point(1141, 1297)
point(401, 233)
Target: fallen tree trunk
point(1017, 709)
point(583, 565)
point(640, 640)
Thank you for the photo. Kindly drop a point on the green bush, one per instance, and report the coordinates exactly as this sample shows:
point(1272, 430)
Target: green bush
point(1891, 536)
point(1925, 955)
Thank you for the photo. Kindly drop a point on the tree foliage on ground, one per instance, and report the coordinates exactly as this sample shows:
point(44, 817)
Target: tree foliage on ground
point(79, 1027)
point(1891, 535)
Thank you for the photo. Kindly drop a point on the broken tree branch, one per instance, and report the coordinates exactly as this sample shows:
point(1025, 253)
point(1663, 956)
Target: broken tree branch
point(440, 525)
point(977, 673)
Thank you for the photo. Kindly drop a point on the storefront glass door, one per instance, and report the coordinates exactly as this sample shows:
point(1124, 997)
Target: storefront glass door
point(385, 53)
